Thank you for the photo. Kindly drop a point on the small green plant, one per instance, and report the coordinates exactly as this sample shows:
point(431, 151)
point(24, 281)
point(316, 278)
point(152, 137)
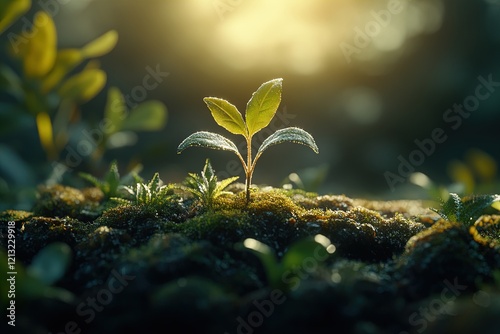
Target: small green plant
point(287, 273)
point(151, 193)
point(466, 210)
point(205, 186)
point(112, 182)
point(260, 110)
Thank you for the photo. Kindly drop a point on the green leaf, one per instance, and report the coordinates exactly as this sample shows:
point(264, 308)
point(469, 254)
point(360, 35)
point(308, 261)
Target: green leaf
point(451, 209)
point(208, 170)
point(466, 210)
point(41, 49)
point(11, 10)
point(294, 135)
point(317, 248)
point(474, 206)
point(268, 259)
point(221, 185)
point(226, 115)
point(91, 179)
point(115, 110)
point(83, 86)
point(155, 182)
point(262, 106)
point(208, 140)
point(101, 45)
point(147, 116)
point(51, 263)
point(45, 132)
point(11, 83)
point(66, 60)
point(111, 180)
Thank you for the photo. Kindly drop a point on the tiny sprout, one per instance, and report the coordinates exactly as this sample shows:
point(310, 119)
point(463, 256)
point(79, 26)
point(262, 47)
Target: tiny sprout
point(112, 181)
point(260, 110)
point(465, 210)
point(151, 193)
point(205, 186)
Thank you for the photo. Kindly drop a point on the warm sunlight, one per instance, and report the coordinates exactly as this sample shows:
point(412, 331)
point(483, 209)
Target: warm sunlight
point(306, 37)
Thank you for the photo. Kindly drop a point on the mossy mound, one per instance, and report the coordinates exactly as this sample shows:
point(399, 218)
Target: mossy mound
point(446, 252)
point(274, 218)
point(61, 201)
point(37, 232)
point(185, 265)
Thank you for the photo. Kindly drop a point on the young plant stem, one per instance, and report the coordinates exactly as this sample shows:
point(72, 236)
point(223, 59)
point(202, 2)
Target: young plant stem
point(248, 169)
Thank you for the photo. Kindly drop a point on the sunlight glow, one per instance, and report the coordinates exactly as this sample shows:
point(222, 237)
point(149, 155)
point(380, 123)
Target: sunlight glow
point(305, 36)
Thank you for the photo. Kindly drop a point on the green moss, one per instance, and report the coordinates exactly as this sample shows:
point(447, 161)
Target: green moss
point(275, 202)
point(299, 193)
point(38, 232)
point(171, 256)
point(207, 301)
point(221, 227)
point(15, 216)
point(106, 239)
point(445, 251)
point(61, 201)
point(362, 234)
point(143, 220)
point(98, 254)
point(270, 217)
point(184, 257)
point(325, 202)
point(486, 231)
point(276, 219)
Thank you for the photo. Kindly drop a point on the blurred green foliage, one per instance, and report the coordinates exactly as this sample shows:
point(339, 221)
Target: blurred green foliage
point(112, 181)
point(295, 263)
point(309, 179)
point(477, 173)
point(42, 89)
point(42, 83)
point(38, 279)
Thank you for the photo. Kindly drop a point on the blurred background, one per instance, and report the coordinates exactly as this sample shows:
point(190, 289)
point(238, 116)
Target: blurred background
point(366, 78)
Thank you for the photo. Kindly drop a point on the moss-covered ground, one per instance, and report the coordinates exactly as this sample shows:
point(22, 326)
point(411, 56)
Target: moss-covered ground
point(176, 267)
